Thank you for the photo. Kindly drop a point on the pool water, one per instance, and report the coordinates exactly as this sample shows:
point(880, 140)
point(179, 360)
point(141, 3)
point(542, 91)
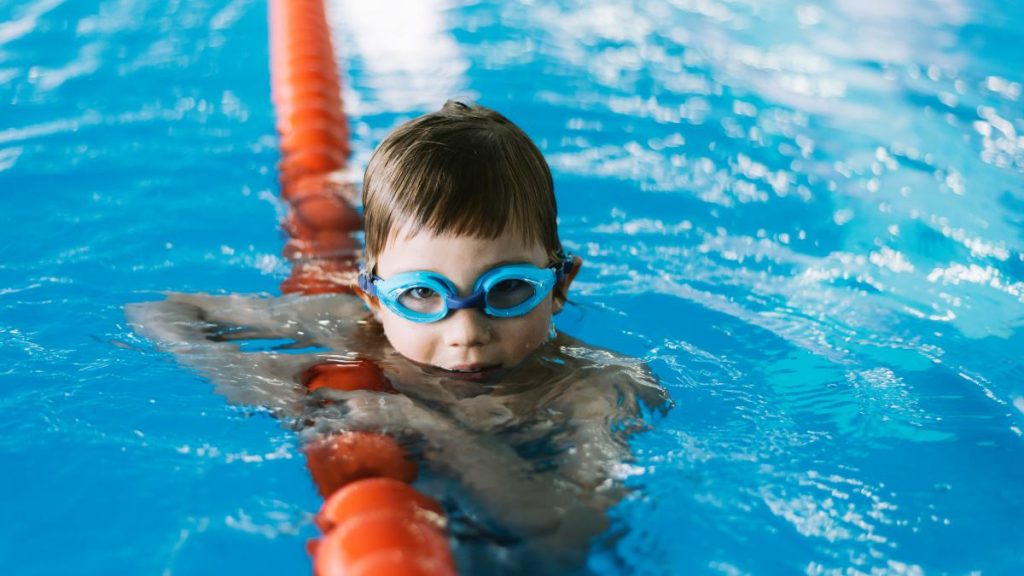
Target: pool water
point(808, 218)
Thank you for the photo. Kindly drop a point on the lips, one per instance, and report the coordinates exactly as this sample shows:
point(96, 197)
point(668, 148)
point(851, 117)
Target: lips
point(470, 371)
point(473, 367)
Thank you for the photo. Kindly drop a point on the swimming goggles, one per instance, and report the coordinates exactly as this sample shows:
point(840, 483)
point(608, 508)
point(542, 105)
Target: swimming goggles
point(505, 291)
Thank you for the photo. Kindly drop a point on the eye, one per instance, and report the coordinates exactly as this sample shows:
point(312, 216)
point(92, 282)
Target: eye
point(420, 293)
point(509, 293)
point(421, 299)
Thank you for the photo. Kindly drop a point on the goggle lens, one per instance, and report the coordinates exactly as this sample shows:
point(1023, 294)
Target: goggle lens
point(421, 299)
point(509, 293)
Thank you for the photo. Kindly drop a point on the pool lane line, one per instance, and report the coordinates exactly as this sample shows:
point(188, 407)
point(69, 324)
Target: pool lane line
point(374, 522)
point(322, 220)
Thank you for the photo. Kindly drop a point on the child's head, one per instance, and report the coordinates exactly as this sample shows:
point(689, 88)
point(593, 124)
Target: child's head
point(457, 193)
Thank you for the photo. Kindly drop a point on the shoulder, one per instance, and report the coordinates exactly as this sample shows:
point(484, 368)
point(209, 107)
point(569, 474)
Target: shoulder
point(609, 377)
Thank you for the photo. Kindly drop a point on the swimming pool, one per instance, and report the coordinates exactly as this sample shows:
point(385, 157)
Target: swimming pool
point(808, 218)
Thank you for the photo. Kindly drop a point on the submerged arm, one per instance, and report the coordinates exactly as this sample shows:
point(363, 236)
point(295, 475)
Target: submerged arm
point(604, 411)
point(492, 476)
point(207, 333)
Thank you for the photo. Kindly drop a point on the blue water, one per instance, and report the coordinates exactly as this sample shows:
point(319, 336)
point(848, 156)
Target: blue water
point(808, 218)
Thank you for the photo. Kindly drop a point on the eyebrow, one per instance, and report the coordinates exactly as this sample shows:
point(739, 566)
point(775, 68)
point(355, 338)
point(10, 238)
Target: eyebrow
point(508, 261)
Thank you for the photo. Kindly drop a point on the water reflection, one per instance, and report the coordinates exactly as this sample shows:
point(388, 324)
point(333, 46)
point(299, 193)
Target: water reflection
point(403, 52)
point(806, 216)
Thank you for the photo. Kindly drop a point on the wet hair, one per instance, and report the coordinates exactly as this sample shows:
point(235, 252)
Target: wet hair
point(463, 170)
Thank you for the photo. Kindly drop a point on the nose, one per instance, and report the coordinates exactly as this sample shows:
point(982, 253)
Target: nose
point(467, 327)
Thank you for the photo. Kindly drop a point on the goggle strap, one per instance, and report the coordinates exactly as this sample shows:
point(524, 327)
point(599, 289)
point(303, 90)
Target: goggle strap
point(366, 283)
point(564, 267)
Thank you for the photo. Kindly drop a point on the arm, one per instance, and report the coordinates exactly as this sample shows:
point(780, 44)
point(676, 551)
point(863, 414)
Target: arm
point(603, 410)
point(304, 319)
point(207, 333)
point(493, 479)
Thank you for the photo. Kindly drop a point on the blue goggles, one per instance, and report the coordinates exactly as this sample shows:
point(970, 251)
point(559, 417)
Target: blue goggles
point(503, 292)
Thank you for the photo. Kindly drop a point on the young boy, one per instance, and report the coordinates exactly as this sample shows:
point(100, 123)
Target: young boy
point(522, 427)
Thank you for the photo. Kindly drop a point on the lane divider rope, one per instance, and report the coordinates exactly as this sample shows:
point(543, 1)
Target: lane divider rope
point(374, 522)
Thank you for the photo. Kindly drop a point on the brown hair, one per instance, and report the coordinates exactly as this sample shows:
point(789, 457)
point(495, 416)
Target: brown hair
point(463, 170)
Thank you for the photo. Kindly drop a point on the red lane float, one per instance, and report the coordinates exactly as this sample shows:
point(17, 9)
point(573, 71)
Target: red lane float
point(374, 523)
point(384, 543)
point(322, 219)
point(378, 495)
point(382, 526)
point(357, 375)
point(336, 461)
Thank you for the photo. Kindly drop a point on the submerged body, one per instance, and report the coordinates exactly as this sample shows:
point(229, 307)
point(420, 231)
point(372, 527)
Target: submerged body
point(529, 457)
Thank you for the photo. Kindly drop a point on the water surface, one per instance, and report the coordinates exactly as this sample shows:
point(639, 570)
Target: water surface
point(807, 217)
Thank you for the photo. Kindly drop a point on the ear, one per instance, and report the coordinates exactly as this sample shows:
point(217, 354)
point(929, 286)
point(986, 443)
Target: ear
point(563, 286)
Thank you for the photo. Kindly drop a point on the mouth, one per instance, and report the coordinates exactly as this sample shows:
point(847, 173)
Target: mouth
point(470, 371)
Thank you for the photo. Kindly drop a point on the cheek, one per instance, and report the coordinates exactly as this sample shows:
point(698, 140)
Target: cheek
point(408, 338)
point(525, 334)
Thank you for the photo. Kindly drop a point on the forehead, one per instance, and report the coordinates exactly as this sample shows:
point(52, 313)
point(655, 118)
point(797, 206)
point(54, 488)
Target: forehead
point(459, 257)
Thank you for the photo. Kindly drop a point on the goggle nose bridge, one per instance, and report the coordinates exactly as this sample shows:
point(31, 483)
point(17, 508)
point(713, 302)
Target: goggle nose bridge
point(477, 299)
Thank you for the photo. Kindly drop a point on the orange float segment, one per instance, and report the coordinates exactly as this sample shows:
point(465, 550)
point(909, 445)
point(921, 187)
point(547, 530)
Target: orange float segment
point(365, 535)
point(331, 256)
point(298, 283)
point(310, 114)
point(315, 137)
point(310, 161)
point(377, 495)
point(310, 224)
point(320, 277)
point(386, 563)
point(392, 563)
point(338, 460)
point(317, 184)
point(326, 212)
point(320, 203)
point(358, 375)
point(388, 532)
point(337, 240)
point(326, 245)
point(297, 30)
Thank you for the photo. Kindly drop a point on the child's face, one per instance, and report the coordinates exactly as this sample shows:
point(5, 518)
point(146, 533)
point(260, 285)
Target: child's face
point(467, 342)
